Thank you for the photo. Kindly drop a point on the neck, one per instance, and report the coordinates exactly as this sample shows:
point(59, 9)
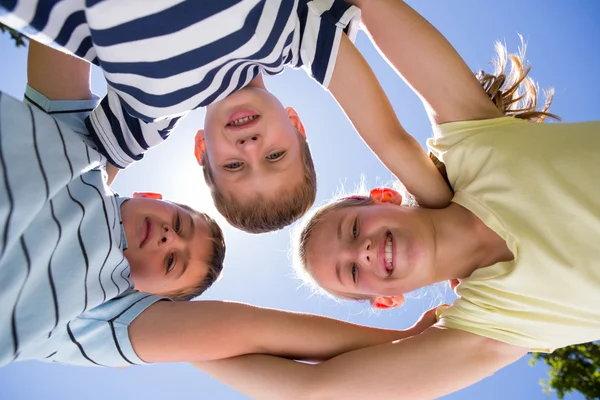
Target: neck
point(464, 243)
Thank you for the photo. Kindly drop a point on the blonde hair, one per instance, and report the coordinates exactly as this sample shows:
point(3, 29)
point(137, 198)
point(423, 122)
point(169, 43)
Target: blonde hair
point(513, 92)
point(259, 215)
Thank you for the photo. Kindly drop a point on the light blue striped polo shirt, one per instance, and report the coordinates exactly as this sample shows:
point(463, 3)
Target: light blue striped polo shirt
point(65, 291)
point(164, 58)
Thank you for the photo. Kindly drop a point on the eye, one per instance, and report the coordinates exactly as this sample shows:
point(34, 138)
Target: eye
point(177, 223)
point(355, 229)
point(170, 263)
point(354, 272)
point(275, 156)
point(233, 165)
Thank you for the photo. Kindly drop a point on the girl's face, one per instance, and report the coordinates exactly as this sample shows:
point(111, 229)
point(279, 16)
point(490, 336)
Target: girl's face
point(372, 250)
point(168, 246)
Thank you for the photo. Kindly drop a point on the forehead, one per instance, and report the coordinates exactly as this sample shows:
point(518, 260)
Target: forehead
point(323, 247)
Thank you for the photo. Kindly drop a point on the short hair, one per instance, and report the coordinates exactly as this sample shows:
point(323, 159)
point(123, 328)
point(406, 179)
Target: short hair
point(258, 215)
point(214, 263)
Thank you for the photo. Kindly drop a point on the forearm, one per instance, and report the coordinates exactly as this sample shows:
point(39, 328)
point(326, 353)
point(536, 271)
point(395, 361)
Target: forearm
point(211, 330)
point(423, 367)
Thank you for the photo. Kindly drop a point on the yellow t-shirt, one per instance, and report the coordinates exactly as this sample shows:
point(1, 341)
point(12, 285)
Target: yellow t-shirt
point(538, 187)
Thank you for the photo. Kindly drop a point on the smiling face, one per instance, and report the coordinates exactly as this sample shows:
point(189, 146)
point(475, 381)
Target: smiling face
point(252, 145)
point(371, 250)
point(168, 246)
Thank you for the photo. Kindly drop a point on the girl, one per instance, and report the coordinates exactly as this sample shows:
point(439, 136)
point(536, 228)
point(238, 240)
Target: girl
point(520, 235)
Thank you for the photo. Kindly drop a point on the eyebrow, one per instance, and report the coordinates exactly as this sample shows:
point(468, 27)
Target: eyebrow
point(338, 274)
point(192, 230)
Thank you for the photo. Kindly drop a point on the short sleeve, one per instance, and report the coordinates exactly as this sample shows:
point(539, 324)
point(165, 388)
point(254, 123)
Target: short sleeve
point(71, 112)
point(100, 336)
point(123, 135)
point(324, 24)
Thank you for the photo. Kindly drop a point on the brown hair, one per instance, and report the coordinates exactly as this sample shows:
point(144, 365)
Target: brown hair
point(215, 263)
point(514, 92)
point(259, 215)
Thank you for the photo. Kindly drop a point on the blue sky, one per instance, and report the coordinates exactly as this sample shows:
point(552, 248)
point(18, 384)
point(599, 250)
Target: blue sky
point(563, 49)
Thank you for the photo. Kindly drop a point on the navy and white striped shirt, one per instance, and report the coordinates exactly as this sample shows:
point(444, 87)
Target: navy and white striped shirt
point(65, 291)
point(164, 58)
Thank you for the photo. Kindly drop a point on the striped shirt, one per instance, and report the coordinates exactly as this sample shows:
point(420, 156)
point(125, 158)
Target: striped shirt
point(65, 291)
point(164, 58)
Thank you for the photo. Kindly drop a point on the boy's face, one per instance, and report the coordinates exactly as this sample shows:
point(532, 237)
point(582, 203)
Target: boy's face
point(252, 144)
point(168, 247)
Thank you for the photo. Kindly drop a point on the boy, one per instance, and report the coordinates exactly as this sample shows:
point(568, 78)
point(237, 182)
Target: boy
point(86, 253)
point(254, 152)
point(65, 291)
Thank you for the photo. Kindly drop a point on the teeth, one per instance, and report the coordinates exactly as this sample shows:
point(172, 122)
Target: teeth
point(388, 252)
point(242, 121)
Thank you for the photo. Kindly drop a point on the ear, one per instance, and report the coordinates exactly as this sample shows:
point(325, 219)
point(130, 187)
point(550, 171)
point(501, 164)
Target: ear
point(199, 146)
point(147, 195)
point(385, 195)
point(385, 302)
point(295, 120)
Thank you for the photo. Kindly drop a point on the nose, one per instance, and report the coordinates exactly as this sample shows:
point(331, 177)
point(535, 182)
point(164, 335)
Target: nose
point(249, 140)
point(167, 235)
point(367, 253)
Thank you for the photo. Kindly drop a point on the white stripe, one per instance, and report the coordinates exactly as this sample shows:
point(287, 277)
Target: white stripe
point(21, 15)
point(168, 46)
point(59, 14)
point(99, 120)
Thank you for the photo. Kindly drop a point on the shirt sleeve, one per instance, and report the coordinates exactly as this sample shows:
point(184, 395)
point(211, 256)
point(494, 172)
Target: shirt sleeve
point(71, 112)
point(324, 24)
point(123, 135)
point(56, 23)
point(100, 336)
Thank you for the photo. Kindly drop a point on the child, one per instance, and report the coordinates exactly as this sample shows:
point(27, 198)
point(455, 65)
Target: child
point(520, 234)
point(72, 254)
point(254, 152)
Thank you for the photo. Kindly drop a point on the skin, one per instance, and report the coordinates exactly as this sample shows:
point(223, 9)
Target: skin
point(428, 246)
point(410, 369)
point(263, 158)
point(209, 330)
point(168, 247)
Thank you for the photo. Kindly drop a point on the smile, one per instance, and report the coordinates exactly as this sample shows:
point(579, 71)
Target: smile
point(243, 119)
point(389, 254)
point(146, 232)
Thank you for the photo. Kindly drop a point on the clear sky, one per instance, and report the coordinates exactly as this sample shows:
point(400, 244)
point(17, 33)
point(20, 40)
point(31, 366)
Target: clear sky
point(563, 44)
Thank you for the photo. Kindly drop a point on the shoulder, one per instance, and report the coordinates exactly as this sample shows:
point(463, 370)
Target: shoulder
point(70, 112)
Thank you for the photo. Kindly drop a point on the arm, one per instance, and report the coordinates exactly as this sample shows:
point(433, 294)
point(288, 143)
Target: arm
point(60, 76)
point(427, 366)
point(57, 75)
point(426, 61)
point(210, 330)
point(366, 105)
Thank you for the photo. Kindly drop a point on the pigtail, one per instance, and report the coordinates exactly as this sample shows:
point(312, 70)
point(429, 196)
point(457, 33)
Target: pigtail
point(514, 92)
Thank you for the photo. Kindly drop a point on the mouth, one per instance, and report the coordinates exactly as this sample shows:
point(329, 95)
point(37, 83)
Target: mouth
point(242, 120)
point(146, 232)
point(388, 254)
